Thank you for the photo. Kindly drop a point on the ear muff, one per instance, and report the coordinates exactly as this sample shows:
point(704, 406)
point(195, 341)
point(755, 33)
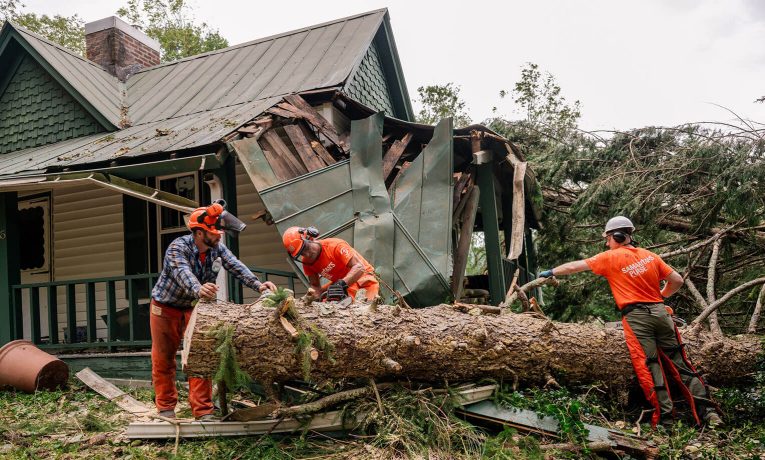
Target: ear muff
point(619, 237)
point(309, 233)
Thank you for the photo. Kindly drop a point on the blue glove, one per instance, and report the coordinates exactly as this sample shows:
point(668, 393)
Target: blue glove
point(546, 274)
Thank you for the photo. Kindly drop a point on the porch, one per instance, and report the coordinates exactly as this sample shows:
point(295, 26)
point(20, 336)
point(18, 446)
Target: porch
point(85, 315)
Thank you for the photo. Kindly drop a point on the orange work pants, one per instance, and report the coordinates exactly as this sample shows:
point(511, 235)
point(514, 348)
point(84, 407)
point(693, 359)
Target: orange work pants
point(167, 327)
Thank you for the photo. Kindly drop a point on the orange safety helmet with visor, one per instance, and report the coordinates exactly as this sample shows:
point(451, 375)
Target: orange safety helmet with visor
point(215, 219)
point(294, 239)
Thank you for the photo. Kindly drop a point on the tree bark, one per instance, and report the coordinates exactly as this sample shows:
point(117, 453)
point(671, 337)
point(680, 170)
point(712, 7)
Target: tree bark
point(449, 345)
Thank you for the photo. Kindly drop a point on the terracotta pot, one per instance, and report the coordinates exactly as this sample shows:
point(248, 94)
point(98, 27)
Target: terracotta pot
point(27, 368)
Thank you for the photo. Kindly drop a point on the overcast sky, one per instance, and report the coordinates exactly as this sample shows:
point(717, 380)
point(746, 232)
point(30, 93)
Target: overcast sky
point(630, 64)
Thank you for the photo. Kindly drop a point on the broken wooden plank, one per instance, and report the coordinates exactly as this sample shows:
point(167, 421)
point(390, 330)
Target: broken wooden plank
point(281, 149)
point(318, 147)
point(467, 218)
point(279, 112)
point(462, 184)
point(280, 167)
point(252, 129)
point(253, 413)
point(303, 147)
point(394, 153)
point(304, 109)
point(402, 169)
point(112, 393)
point(518, 223)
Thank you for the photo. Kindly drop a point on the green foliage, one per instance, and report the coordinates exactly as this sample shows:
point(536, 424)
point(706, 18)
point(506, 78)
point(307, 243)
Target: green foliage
point(228, 371)
point(568, 409)
point(476, 263)
point(172, 24)
point(412, 423)
point(441, 101)
point(508, 445)
point(310, 336)
point(540, 96)
point(275, 298)
point(313, 338)
point(677, 184)
point(67, 31)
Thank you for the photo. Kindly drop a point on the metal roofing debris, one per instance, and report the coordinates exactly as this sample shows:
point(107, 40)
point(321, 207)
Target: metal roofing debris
point(348, 199)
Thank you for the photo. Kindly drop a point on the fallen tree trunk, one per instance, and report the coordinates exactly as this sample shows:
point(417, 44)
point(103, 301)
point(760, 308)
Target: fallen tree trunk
point(448, 345)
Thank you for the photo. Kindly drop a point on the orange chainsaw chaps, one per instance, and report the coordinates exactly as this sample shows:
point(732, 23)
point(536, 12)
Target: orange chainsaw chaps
point(643, 373)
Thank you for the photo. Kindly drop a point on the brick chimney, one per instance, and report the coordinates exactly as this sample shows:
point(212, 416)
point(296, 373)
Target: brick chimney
point(119, 48)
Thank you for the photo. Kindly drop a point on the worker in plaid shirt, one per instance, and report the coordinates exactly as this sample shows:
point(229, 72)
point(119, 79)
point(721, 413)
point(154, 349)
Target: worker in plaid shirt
point(188, 275)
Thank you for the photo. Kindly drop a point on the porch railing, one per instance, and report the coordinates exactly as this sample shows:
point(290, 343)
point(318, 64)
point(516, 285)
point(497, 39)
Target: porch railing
point(98, 313)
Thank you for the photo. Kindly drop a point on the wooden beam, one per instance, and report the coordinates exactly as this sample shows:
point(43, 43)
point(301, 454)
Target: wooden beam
point(112, 393)
point(279, 112)
point(394, 153)
point(303, 109)
point(317, 146)
point(280, 148)
point(466, 236)
point(303, 147)
point(462, 184)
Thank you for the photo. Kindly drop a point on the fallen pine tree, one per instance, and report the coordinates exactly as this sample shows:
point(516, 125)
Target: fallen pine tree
point(441, 343)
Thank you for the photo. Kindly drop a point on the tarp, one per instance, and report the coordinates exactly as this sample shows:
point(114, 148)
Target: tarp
point(349, 200)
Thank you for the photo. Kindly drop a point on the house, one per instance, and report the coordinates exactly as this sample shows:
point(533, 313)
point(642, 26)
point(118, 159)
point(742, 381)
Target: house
point(100, 158)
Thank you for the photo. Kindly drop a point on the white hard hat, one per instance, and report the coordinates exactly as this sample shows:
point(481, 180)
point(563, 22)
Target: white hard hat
point(616, 223)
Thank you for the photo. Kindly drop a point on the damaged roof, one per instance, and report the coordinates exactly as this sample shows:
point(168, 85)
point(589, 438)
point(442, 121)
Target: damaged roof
point(197, 101)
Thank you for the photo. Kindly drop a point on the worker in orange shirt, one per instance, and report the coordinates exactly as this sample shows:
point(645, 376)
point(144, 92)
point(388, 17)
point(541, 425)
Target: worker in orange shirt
point(332, 259)
point(654, 344)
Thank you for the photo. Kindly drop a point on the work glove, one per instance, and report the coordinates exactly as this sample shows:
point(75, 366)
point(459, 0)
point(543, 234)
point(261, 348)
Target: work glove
point(546, 274)
point(337, 291)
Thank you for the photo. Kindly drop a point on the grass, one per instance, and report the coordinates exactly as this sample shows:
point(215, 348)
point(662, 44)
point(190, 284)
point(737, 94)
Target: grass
point(78, 423)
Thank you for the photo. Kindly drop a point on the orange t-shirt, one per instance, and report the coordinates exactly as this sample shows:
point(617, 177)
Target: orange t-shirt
point(332, 263)
point(633, 274)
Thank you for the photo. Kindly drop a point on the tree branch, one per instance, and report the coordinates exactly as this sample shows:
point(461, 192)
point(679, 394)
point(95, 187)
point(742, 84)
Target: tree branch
point(707, 311)
point(714, 324)
point(700, 244)
point(757, 310)
point(512, 294)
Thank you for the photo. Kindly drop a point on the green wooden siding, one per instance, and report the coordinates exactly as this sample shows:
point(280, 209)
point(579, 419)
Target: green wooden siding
point(369, 85)
point(35, 110)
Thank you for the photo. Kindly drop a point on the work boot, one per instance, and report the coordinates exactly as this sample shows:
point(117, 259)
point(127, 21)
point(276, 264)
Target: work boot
point(667, 421)
point(169, 413)
point(713, 420)
point(207, 418)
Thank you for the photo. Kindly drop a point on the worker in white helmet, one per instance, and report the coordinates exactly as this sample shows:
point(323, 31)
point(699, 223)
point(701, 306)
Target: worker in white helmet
point(656, 349)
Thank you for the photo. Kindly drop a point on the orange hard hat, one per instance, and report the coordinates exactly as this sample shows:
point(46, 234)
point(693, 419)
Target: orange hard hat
point(207, 219)
point(294, 239)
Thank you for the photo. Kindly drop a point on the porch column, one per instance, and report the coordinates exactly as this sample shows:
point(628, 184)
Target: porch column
point(227, 176)
point(488, 204)
point(9, 262)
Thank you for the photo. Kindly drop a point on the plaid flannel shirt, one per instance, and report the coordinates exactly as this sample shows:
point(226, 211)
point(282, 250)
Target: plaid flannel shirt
point(183, 274)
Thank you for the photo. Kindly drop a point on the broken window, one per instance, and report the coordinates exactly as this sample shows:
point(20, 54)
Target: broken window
point(33, 223)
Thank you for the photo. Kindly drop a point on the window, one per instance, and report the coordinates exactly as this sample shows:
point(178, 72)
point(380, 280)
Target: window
point(170, 222)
